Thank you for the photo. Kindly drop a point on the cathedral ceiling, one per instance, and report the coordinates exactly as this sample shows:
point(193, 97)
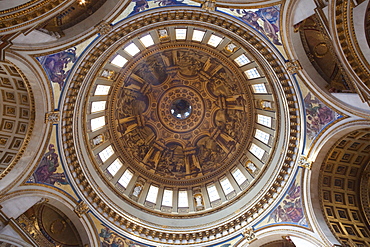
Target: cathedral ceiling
point(181, 126)
point(16, 114)
point(69, 17)
point(49, 226)
point(181, 121)
point(344, 188)
point(319, 49)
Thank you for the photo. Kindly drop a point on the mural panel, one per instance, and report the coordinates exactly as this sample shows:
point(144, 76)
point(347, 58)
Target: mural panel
point(110, 238)
point(318, 115)
point(58, 66)
point(290, 208)
point(50, 170)
point(265, 20)
point(137, 6)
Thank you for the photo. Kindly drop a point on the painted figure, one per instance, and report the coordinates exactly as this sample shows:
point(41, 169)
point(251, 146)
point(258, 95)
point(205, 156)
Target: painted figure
point(141, 5)
point(269, 17)
point(55, 65)
point(46, 171)
point(111, 239)
point(318, 115)
point(290, 210)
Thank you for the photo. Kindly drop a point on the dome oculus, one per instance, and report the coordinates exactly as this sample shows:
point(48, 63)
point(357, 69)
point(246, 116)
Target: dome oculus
point(180, 108)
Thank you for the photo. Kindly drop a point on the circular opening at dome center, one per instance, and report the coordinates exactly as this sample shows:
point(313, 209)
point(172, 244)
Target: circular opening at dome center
point(180, 109)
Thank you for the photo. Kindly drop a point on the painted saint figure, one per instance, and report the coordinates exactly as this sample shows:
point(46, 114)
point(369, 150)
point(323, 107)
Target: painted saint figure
point(46, 171)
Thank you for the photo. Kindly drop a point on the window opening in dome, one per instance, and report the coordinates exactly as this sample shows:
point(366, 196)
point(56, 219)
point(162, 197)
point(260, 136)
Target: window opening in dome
point(264, 120)
point(262, 136)
point(238, 176)
point(102, 90)
point(257, 151)
point(97, 123)
point(147, 40)
point(198, 35)
point(106, 153)
point(259, 88)
point(180, 33)
point(167, 198)
point(214, 40)
point(213, 193)
point(252, 73)
point(152, 194)
point(97, 106)
point(132, 49)
point(126, 178)
point(114, 167)
point(241, 60)
point(119, 61)
point(226, 186)
point(183, 199)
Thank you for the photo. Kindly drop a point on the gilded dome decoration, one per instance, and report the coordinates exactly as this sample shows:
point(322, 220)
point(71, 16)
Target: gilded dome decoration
point(181, 121)
point(184, 123)
point(180, 113)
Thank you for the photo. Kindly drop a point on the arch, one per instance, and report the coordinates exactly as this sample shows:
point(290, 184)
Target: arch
point(42, 103)
point(276, 233)
point(18, 201)
point(308, 74)
point(318, 154)
point(13, 242)
point(95, 23)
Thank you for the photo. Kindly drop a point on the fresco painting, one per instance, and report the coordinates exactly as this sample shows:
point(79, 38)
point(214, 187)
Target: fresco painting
point(57, 65)
point(109, 238)
point(47, 170)
point(290, 209)
point(50, 170)
point(141, 5)
point(318, 115)
point(137, 6)
point(265, 20)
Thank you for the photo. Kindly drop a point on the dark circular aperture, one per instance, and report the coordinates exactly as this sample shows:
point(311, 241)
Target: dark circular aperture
point(180, 109)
